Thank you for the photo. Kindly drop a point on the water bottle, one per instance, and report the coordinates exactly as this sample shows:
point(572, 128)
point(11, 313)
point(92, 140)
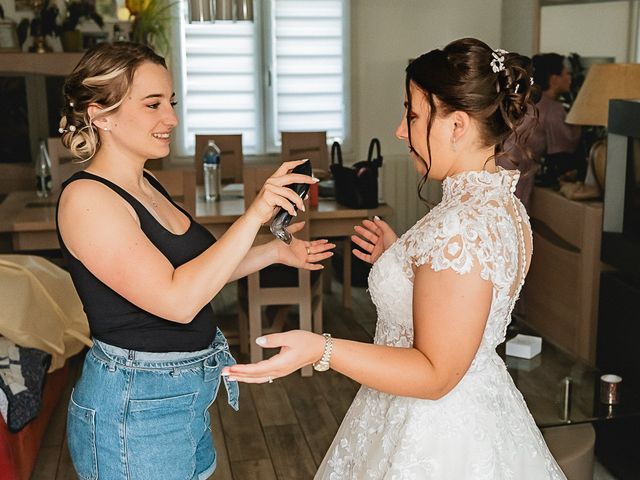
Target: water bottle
point(283, 218)
point(118, 35)
point(43, 171)
point(211, 170)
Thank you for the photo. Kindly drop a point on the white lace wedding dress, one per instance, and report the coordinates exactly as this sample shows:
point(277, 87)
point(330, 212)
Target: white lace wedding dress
point(482, 429)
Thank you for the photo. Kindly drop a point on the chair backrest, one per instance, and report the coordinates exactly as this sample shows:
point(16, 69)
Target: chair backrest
point(311, 145)
point(181, 185)
point(254, 178)
point(63, 164)
point(231, 157)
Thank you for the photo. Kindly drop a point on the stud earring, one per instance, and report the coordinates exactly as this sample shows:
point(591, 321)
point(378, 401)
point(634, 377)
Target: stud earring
point(105, 129)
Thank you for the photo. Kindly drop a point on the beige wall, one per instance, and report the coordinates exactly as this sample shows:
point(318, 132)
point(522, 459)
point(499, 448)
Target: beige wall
point(521, 26)
point(590, 30)
point(384, 35)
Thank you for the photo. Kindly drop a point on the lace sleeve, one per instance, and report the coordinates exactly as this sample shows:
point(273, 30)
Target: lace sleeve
point(456, 240)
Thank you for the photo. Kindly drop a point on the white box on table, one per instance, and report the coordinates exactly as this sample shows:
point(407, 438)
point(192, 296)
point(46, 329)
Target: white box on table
point(524, 346)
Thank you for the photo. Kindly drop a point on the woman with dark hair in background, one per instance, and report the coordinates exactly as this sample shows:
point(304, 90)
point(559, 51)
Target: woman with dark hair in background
point(545, 134)
point(146, 272)
point(437, 401)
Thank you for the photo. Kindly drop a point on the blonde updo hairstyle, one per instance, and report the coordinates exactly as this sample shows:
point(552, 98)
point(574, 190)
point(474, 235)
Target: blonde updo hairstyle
point(103, 76)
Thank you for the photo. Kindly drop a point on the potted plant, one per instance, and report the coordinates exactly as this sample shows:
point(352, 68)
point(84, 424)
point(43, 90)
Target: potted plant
point(43, 24)
point(77, 10)
point(151, 22)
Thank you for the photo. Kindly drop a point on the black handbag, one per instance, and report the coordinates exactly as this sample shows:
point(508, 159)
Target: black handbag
point(356, 186)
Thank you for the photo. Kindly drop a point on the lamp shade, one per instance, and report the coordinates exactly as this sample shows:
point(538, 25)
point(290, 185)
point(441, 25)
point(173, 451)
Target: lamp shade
point(604, 82)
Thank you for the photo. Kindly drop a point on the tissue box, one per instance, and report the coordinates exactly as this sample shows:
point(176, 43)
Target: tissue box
point(524, 346)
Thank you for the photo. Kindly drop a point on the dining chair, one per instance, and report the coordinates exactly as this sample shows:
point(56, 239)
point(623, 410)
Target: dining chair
point(181, 185)
point(231, 157)
point(63, 164)
point(311, 145)
point(276, 284)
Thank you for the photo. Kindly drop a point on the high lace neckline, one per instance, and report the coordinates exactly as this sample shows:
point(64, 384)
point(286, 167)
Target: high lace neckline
point(471, 179)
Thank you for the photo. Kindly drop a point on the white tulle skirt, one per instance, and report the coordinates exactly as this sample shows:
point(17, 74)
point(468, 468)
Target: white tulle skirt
point(481, 430)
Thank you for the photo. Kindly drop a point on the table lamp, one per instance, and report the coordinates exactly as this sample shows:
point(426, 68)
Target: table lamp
point(604, 82)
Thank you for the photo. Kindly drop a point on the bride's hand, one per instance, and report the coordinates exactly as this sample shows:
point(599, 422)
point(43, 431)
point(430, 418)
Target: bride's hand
point(376, 235)
point(303, 254)
point(298, 348)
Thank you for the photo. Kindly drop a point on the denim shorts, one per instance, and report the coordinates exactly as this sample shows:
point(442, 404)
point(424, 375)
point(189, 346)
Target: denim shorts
point(141, 415)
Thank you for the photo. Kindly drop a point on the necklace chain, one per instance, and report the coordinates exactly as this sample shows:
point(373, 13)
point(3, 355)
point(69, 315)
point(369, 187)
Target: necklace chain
point(150, 197)
point(153, 202)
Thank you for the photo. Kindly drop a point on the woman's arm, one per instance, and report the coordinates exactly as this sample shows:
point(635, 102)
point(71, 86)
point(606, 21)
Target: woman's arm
point(101, 231)
point(294, 255)
point(449, 315)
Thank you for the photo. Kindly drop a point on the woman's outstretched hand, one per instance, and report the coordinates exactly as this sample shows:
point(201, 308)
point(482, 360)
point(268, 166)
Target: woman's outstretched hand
point(275, 193)
point(376, 235)
point(303, 254)
point(298, 348)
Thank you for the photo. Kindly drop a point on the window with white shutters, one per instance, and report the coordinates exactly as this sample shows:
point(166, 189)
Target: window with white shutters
point(283, 72)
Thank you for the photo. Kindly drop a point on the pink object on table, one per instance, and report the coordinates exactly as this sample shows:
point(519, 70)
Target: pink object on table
point(313, 195)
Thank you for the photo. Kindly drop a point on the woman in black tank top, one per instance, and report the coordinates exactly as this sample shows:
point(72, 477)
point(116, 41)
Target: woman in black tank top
point(146, 273)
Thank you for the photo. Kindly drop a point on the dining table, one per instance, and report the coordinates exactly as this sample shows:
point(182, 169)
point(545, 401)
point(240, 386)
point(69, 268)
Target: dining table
point(27, 223)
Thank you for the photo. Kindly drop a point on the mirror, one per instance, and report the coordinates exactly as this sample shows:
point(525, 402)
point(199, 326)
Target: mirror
point(606, 30)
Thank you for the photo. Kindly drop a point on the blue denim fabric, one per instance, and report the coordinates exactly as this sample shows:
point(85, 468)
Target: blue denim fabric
point(141, 415)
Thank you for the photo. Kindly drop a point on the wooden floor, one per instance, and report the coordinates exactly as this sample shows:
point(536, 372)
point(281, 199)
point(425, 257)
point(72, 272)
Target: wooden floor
point(282, 430)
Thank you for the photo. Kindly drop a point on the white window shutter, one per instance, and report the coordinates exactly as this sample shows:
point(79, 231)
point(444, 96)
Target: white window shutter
point(221, 76)
point(309, 67)
point(224, 85)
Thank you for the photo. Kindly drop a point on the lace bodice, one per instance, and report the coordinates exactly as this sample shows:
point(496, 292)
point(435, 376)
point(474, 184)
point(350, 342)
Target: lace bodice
point(474, 223)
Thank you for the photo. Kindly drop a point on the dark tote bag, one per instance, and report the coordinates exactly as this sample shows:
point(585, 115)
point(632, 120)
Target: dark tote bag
point(356, 186)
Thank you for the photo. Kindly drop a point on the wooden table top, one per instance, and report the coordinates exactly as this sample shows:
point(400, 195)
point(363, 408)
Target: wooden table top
point(24, 211)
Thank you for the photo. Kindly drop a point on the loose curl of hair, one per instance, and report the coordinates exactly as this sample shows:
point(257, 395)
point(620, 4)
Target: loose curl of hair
point(103, 76)
point(461, 78)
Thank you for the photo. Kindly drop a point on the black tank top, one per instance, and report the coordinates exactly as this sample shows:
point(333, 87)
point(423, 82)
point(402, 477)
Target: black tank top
point(115, 320)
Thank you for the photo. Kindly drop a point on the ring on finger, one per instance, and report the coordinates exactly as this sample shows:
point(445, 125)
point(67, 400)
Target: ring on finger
point(308, 251)
point(270, 379)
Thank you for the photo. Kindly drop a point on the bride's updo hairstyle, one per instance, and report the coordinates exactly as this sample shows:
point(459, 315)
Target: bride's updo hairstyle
point(103, 76)
point(491, 86)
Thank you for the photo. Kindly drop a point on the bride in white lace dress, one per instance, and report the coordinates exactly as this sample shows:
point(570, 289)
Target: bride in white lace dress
point(437, 401)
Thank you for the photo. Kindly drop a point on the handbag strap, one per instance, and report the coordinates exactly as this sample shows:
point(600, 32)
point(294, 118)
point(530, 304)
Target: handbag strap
point(378, 160)
point(336, 152)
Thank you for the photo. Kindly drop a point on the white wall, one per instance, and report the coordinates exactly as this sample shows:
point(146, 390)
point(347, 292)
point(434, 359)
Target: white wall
point(590, 30)
point(521, 26)
point(384, 35)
